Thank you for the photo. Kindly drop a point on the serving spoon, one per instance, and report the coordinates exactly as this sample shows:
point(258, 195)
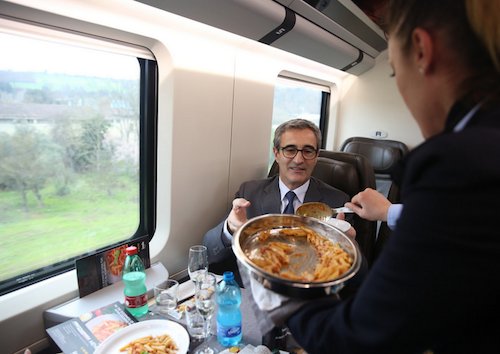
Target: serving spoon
point(320, 211)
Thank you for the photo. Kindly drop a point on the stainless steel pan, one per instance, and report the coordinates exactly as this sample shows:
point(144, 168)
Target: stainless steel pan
point(245, 239)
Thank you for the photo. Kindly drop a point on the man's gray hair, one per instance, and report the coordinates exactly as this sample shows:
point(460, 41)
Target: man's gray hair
point(299, 124)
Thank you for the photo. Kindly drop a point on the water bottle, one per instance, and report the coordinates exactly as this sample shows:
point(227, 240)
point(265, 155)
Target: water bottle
point(134, 276)
point(228, 299)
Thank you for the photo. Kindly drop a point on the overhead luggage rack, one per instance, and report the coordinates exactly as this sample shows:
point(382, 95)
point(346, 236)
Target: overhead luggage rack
point(340, 36)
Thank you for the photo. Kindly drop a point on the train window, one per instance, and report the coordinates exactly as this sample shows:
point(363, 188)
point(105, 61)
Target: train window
point(299, 99)
point(77, 150)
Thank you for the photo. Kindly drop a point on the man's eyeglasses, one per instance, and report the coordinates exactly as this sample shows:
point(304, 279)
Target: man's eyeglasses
point(307, 153)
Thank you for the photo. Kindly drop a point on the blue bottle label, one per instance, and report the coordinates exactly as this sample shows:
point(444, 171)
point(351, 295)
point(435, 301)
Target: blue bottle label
point(228, 331)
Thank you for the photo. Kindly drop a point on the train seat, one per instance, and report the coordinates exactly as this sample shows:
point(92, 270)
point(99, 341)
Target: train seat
point(383, 155)
point(351, 173)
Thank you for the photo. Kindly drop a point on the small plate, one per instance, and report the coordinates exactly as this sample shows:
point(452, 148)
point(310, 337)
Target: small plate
point(118, 340)
point(342, 225)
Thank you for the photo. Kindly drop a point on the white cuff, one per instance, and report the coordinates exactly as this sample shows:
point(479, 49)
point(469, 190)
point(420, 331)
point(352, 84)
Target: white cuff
point(393, 215)
point(227, 238)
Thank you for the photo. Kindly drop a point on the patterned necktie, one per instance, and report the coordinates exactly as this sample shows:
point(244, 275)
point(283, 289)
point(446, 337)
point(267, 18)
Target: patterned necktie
point(289, 208)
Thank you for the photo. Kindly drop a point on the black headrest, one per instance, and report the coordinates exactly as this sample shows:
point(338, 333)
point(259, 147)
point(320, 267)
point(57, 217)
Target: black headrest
point(361, 164)
point(338, 174)
point(383, 154)
point(381, 157)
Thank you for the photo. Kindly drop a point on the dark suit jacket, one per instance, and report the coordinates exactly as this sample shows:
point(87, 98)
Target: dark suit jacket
point(436, 283)
point(265, 198)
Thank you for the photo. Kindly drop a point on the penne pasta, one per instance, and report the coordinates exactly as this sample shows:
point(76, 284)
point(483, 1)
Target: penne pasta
point(272, 256)
point(162, 344)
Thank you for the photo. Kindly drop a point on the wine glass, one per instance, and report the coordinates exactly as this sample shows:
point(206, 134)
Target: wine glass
point(205, 303)
point(197, 261)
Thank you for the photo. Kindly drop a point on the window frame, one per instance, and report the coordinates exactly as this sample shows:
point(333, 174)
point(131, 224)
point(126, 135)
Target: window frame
point(325, 100)
point(286, 80)
point(323, 118)
point(148, 133)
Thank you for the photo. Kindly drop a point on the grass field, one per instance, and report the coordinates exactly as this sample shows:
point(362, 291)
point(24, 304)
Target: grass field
point(65, 227)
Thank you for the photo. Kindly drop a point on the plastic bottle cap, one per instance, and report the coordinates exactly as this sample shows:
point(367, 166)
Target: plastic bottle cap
point(132, 250)
point(227, 276)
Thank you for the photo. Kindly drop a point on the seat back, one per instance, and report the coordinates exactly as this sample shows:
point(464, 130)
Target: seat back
point(351, 173)
point(383, 155)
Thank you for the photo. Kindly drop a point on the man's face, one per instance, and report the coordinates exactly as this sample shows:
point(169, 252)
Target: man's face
point(296, 171)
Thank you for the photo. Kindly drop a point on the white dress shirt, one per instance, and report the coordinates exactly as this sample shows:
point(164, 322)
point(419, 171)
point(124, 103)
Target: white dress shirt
point(300, 192)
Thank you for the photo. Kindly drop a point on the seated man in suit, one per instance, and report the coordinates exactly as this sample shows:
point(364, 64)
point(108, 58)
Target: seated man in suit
point(296, 146)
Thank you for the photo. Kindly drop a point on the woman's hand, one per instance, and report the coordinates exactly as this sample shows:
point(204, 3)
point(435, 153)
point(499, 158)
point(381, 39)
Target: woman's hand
point(370, 205)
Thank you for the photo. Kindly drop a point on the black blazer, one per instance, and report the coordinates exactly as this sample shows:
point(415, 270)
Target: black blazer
point(436, 283)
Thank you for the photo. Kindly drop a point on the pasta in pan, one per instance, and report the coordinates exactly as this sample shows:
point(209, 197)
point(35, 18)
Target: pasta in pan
point(272, 256)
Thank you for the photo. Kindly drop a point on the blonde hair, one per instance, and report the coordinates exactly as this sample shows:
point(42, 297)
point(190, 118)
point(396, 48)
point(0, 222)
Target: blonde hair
point(484, 16)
